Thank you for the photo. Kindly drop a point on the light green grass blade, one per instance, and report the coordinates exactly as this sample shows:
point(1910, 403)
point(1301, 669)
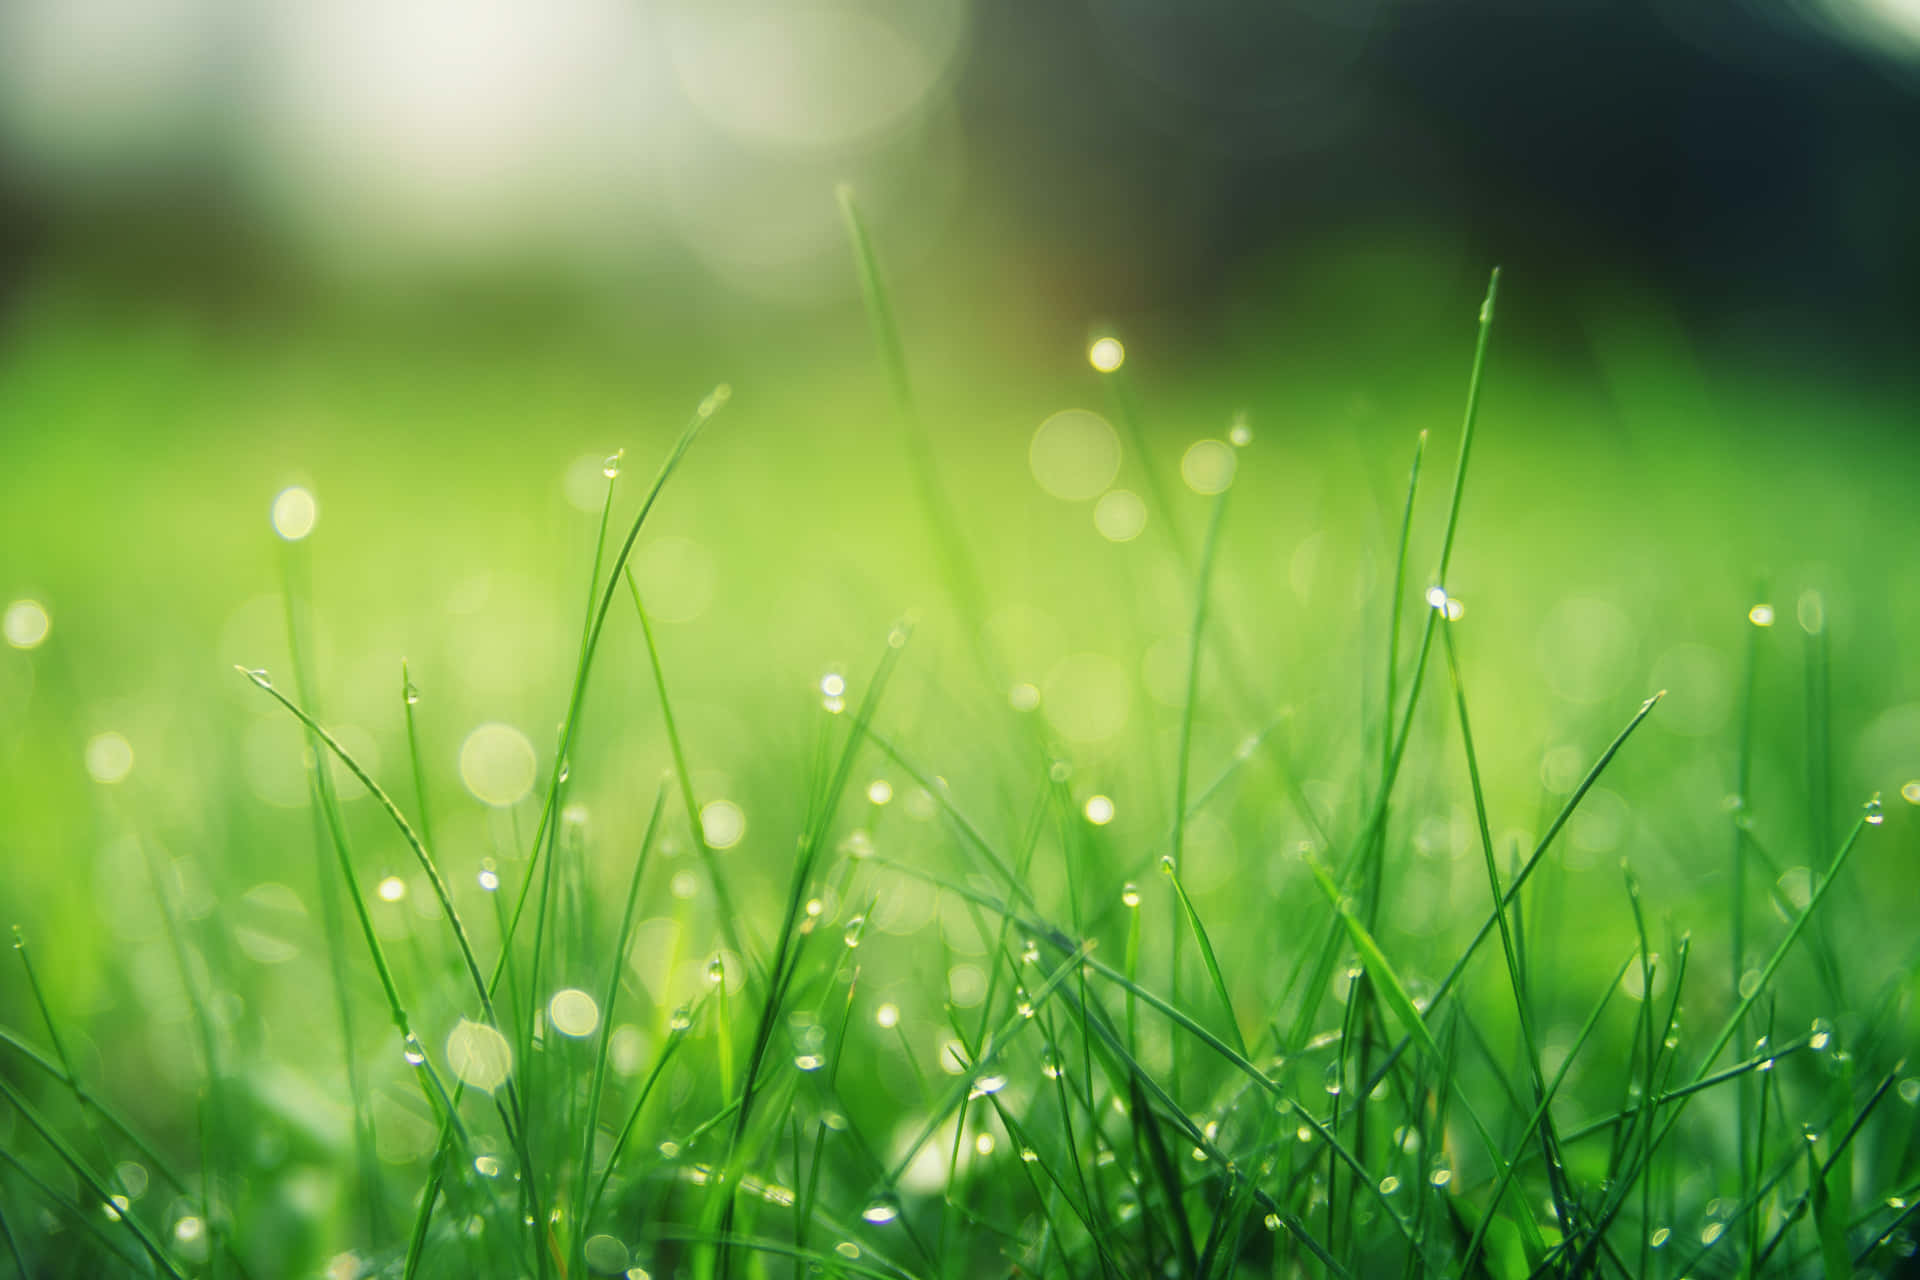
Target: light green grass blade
point(729, 918)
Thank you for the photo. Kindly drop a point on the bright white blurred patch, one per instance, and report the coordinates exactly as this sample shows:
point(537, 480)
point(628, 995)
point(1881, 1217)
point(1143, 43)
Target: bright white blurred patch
point(497, 764)
point(109, 757)
point(294, 513)
point(1910, 792)
point(675, 577)
point(1088, 697)
point(1891, 27)
point(879, 791)
point(1761, 615)
point(479, 1055)
point(1099, 810)
point(1208, 466)
point(887, 1015)
point(574, 1013)
point(724, 823)
point(461, 126)
point(811, 75)
point(26, 624)
point(1120, 515)
point(1023, 697)
point(89, 87)
point(1075, 455)
point(1106, 354)
point(392, 889)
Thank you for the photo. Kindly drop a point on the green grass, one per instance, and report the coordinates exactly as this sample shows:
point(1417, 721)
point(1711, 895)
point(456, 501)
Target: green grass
point(931, 1014)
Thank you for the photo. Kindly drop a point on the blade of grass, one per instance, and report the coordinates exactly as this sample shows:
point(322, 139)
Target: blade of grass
point(723, 900)
point(590, 1129)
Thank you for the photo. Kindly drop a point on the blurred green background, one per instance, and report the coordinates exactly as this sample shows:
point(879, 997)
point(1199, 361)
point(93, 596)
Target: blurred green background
point(434, 262)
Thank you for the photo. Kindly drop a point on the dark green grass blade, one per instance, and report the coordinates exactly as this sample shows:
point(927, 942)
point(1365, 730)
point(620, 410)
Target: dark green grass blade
point(94, 1183)
point(407, 833)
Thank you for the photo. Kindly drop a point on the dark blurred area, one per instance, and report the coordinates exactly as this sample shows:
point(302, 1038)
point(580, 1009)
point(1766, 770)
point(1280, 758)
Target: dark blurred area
point(1755, 162)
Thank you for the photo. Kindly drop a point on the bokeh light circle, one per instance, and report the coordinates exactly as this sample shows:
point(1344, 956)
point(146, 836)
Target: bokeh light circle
point(497, 764)
point(1075, 455)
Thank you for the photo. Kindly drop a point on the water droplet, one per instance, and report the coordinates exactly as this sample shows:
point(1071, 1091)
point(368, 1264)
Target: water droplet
point(486, 1166)
point(984, 1085)
point(1333, 1079)
point(1130, 894)
point(887, 1015)
point(716, 970)
point(1910, 1090)
point(189, 1229)
point(1240, 435)
point(611, 467)
point(1659, 1237)
point(392, 889)
point(1437, 597)
point(1030, 953)
point(847, 1249)
point(115, 1207)
point(879, 791)
point(1712, 1231)
point(489, 879)
point(1099, 810)
point(1025, 1008)
point(1761, 615)
point(810, 1061)
point(833, 685)
point(1166, 864)
point(411, 1050)
point(1874, 814)
point(1028, 1155)
point(1050, 1065)
point(1106, 354)
point(856, 927)
point(670, 1149)
point(1272, 1221)
point(880, 1213)
point(1822, 1035)
point(1059, 771)
point(1389, 1185)
point(1441, 1175)
point(680, 1020)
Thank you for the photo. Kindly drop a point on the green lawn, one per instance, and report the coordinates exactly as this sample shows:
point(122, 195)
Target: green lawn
point(1055, 941)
